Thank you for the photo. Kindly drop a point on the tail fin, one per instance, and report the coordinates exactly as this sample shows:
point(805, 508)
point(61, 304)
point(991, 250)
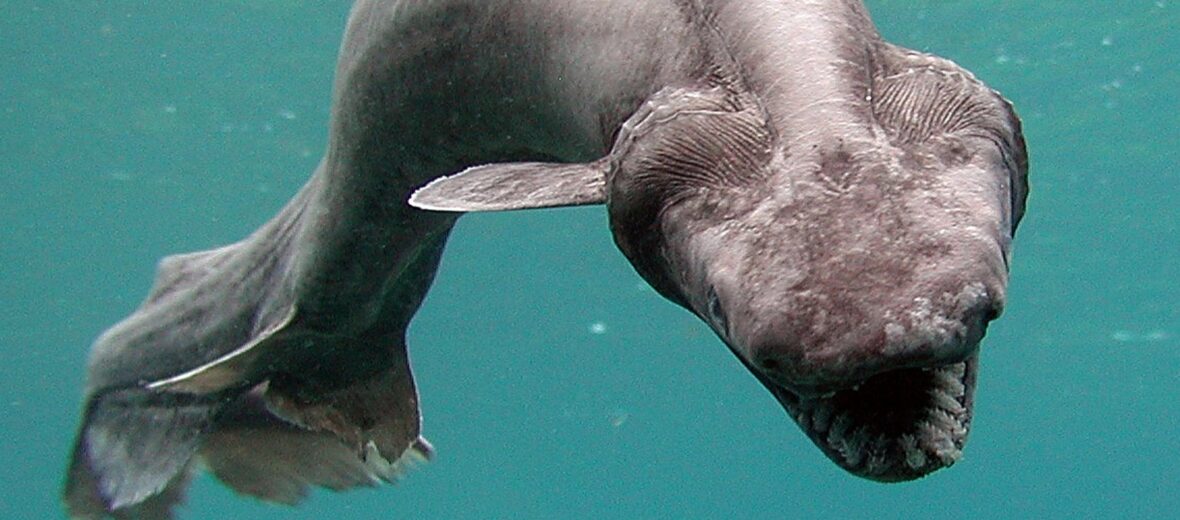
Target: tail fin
point(133, 454)
point(137, 448)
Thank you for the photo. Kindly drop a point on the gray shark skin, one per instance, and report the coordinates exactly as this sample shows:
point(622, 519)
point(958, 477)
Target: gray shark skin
point(839, 210)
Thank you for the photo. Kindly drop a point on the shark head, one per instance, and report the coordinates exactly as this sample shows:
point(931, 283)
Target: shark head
point(854, 276)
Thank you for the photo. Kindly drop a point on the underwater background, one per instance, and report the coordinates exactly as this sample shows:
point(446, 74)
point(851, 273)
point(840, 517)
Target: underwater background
point(554, 383)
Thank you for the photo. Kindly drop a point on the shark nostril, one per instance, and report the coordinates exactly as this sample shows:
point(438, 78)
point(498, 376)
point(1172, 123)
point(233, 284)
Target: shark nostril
point(992, 314)
point(769, 365)
point(988, 308)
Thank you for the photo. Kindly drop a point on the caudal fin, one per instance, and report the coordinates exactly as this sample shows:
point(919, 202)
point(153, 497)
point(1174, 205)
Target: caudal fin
point(133, 454)
point(137, 448)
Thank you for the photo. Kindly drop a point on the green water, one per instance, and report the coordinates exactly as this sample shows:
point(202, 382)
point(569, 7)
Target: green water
point(554, 384)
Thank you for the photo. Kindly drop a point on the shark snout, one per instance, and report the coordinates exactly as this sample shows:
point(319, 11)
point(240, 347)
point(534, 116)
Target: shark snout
point(847, 345)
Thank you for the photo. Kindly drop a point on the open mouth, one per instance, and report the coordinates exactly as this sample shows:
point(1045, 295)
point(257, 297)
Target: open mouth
point(895, 426)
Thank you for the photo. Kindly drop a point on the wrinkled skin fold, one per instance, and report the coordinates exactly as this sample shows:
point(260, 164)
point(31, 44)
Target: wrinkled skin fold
point(839, 210)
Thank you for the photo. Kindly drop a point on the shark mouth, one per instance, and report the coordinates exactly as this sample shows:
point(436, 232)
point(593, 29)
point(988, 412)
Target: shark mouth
point(895, 426)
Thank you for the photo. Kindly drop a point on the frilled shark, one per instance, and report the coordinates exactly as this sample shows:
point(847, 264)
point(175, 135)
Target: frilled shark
point(838, 209)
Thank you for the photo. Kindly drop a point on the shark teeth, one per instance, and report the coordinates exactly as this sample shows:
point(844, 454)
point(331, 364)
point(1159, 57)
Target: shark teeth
point(897, 427)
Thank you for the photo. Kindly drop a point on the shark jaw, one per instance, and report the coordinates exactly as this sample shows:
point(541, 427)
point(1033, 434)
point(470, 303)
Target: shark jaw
point(895, 426)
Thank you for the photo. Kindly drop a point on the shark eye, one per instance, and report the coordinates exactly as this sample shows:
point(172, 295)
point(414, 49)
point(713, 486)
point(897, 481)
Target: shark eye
point(717, 313)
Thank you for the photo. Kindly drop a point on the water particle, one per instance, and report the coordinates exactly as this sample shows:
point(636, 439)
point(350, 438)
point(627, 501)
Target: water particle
point(1151, 336)
point(1157, 335)
point(598, 327)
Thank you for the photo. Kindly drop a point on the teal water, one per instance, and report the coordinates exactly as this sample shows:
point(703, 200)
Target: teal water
point(554, 384)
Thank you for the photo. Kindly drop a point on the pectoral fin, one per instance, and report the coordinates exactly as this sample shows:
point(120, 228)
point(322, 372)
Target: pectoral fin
point(511, 186)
